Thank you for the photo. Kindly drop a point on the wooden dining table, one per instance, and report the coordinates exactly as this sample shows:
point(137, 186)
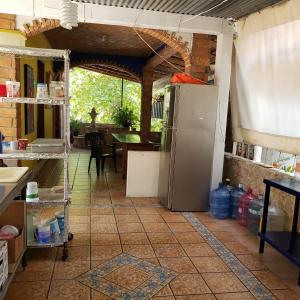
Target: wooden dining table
point(131, 142)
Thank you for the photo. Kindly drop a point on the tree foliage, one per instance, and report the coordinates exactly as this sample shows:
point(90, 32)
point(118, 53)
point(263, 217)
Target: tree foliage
point(91, 89)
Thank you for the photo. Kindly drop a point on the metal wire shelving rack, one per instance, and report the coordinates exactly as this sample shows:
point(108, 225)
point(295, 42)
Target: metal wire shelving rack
point(64, 198)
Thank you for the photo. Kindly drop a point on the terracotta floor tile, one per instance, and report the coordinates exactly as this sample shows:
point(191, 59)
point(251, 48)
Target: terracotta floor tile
point(79, 253)
point(286, 295)
point(29, 274)
point(134, 238)
point(181, 227)
point(252, 262)
point(269, 280)
point(99, 296)
point(120, 277)
point(174, 218)
point(83, 201)
point(197, 297)
point(189, 284)
point(178, 264)
point(130, 227)
point(224, 236)
point(80, 239)
point(105, 252)
point(70, 270)
point(156, 227)
point(127, 218)
point(28, 290)
point(79, 219)
point(151, 219)
point(209, 264)
point(223, 283)
point(100, 219)
point(235, 296)
point(168, 250)
point(122, 203)
point(147, 211)
point(102, 193)
point(80, 228)
point(102, 239)
point(189, 237)
point(165, 291)
point(104, 228)
point(164, 298)
point(140, 251)
point(236, 248)
point(101, 211)
point(201, 249)
point(100, 201)
point(68, 289)
point(162, 238)
point(124, 211)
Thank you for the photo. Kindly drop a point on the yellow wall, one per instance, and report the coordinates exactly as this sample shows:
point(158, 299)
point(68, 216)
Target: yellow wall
point(38, 42)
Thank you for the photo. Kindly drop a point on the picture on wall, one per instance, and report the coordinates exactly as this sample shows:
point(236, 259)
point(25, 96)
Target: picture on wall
point(29, 92)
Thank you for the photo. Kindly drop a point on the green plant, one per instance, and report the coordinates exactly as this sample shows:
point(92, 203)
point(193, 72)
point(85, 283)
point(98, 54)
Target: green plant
point(123, 116)
point(75, 125)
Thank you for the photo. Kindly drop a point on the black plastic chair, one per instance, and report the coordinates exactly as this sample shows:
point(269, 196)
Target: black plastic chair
point(95, 141)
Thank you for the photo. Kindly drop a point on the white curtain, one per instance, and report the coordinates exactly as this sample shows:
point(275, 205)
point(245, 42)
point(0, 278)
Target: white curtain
point(265, 86)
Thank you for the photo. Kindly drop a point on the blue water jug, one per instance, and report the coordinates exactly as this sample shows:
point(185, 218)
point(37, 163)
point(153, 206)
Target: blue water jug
point(220, 202)
point(234, 200)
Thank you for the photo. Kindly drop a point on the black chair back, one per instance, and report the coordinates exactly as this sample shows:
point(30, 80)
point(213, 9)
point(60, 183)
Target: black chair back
point(95, 141)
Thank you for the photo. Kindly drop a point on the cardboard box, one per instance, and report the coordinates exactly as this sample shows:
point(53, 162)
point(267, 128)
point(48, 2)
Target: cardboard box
point(15, 215)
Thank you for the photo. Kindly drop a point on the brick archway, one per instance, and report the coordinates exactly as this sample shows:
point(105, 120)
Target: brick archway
point(172, 41)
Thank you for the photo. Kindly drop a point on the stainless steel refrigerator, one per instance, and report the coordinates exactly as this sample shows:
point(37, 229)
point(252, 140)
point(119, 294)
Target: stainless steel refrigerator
point(187, 145)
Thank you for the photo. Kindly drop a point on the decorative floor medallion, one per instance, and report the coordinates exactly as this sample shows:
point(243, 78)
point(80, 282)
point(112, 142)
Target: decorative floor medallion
point(127, 277)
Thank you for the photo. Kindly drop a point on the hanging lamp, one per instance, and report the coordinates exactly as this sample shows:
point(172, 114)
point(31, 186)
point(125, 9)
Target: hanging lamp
point(68, 14)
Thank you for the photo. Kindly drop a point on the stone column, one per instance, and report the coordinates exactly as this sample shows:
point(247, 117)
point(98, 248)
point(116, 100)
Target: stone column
point(146, 103)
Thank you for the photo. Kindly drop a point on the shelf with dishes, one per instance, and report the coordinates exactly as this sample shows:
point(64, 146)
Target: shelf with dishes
point(49, 197)
point(38, 149)
point(46, 101)
point(28, 155)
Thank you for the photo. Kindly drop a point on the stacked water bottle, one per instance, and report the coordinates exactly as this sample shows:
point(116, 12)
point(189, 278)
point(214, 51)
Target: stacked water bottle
point(245, 206)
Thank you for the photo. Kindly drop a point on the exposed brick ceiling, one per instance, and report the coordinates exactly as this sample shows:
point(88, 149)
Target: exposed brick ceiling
point(102, 39)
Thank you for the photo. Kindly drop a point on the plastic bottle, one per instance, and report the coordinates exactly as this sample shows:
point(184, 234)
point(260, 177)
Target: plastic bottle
point(254, 210)
point(220, 202)
point(244, 203)
point(276, 218)
point(227, 183)
point(234, 200)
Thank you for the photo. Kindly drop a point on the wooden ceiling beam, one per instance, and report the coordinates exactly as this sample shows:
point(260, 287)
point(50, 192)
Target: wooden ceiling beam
point(156, 60)
point(109, 72)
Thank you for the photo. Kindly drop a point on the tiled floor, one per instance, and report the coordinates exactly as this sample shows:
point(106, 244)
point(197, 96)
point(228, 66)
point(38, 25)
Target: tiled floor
point(135, 249)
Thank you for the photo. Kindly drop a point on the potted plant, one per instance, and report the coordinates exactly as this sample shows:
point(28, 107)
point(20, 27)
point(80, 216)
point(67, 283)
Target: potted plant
point(75, 126)
point(123, 117)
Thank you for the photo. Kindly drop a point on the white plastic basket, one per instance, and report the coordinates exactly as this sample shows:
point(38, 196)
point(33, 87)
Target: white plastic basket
point(3, 263)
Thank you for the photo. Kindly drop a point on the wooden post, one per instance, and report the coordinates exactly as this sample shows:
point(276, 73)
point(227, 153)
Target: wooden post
point(146, 103)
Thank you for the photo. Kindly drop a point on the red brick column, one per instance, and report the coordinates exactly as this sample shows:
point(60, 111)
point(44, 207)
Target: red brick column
point(9, 70)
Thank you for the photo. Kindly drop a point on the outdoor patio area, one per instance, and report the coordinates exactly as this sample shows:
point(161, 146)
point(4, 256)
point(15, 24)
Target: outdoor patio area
point(135, 248)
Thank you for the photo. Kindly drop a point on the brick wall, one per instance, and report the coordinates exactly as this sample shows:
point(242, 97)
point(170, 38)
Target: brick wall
point(9, 70)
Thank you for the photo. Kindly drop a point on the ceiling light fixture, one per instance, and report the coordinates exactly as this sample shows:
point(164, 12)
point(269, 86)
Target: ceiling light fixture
point(68, 14)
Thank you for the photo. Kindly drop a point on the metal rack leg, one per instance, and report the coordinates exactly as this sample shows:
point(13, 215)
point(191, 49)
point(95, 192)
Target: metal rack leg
point(25, 259)
point(264, 219)
point(299, 279)
point(65, 252)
